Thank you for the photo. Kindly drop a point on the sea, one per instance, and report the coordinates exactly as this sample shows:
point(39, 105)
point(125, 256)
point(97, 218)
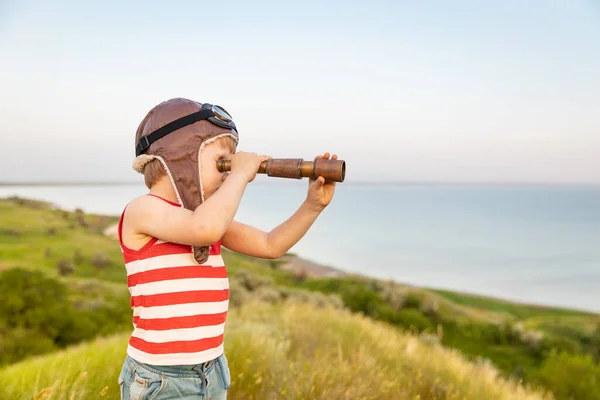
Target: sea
point(533, 244)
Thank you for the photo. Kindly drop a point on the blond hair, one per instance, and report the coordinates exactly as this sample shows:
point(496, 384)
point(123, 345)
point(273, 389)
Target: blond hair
point(153, 172)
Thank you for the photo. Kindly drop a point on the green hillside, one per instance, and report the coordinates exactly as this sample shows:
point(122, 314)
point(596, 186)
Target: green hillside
point(63, 283)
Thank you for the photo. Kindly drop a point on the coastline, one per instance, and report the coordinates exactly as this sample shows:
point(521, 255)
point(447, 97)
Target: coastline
point(105, 201)
point(302, 266)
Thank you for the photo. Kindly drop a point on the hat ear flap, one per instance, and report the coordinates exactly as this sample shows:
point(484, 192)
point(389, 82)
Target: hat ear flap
point(141, 161)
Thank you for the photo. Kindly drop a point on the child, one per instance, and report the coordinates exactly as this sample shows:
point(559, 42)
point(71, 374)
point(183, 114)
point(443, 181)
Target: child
point(171, 240)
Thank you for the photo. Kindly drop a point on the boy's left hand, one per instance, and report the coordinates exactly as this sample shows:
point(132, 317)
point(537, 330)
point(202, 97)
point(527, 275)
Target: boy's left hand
point(320, 192)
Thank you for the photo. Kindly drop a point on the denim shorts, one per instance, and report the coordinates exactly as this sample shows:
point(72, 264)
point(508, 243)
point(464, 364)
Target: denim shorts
point(207, 381)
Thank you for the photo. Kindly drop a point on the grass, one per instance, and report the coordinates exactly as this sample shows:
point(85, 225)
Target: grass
point(30, 228)
point(292, 351)
point(573, 326)
point(470, 324)
point(517, 310)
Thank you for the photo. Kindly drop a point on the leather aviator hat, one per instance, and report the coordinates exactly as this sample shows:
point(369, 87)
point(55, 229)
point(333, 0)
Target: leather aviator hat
point(175, 132)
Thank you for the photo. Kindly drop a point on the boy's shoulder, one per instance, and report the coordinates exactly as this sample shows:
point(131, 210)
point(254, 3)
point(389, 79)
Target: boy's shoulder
point(149, 204)
point(153, 198)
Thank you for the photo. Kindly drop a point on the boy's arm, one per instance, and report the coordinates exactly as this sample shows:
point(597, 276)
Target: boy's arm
point(254, 242)
point(208, 222)
point(246, 239)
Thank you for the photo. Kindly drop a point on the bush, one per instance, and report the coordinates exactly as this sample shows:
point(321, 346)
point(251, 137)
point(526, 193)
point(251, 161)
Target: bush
point(82, 221)
point(31, 203)
point(238, 293)
point(412, 301)
point(32, 301)
point(268, 294)
point(77, 257)
point(375, 301)
point(592, 344)
point(36, 315)
point(571, 376)
point(100, 260)
point(10, 232)
point(363, 300)
point(65, 267)
point(413, 319)
point(275, 264)
point(99, 224)
point(558, 343)
point(19, 343)
point(430, 307)
point(315, 298)
point(300, 275)
point(393, 294)
point(251, 281)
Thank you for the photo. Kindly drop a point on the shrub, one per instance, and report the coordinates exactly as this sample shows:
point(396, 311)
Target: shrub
point(300, 275)
point(315, 298)
point(77, 257)
point(100, 223)
point(268, 294)
point(82, 221)
point(251, 281)
point(430, 306)
point(100, 260)
point(558, 343)
point(570, 376)
point(32, 301)
point(332, 300)
point(10, 232)
point(412, 301)
point(375, 285)
point(36, 315)
point(363, 300)
point(594, 344)
point(19, 343)
point(31, 203)
point(238, 293)
point(413, 320)
point(65, 267)
point(275, 264)
point(393, 294)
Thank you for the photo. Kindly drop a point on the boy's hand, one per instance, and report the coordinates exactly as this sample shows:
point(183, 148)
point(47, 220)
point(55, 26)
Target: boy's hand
point(320, 192)
point(246, 164)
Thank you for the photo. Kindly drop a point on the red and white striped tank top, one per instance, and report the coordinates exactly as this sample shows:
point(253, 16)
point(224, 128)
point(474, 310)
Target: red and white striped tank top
point(179, 307)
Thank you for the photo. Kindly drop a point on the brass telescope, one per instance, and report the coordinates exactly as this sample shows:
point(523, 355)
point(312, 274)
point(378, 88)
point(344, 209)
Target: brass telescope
point(297, 168)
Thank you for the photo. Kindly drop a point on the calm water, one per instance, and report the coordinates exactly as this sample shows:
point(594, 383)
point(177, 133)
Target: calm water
point(534, 244)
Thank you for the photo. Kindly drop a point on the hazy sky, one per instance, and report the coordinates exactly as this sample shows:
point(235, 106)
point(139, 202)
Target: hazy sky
point(409, 91)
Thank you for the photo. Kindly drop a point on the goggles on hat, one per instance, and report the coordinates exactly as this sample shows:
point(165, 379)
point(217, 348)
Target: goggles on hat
point(213, 113)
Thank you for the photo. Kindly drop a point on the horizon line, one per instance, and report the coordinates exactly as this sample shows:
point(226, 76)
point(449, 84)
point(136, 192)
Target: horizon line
point(347, 183)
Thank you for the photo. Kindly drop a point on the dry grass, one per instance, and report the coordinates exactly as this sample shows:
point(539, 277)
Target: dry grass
point(290, 351)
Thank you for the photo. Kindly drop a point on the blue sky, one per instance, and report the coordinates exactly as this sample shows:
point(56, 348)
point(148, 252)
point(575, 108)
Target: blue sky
point(463, 91)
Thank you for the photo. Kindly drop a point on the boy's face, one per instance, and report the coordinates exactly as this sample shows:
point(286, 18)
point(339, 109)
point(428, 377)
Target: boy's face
point(212, 179)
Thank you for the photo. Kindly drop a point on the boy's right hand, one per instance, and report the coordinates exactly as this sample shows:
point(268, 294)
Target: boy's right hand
point(246, 164)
